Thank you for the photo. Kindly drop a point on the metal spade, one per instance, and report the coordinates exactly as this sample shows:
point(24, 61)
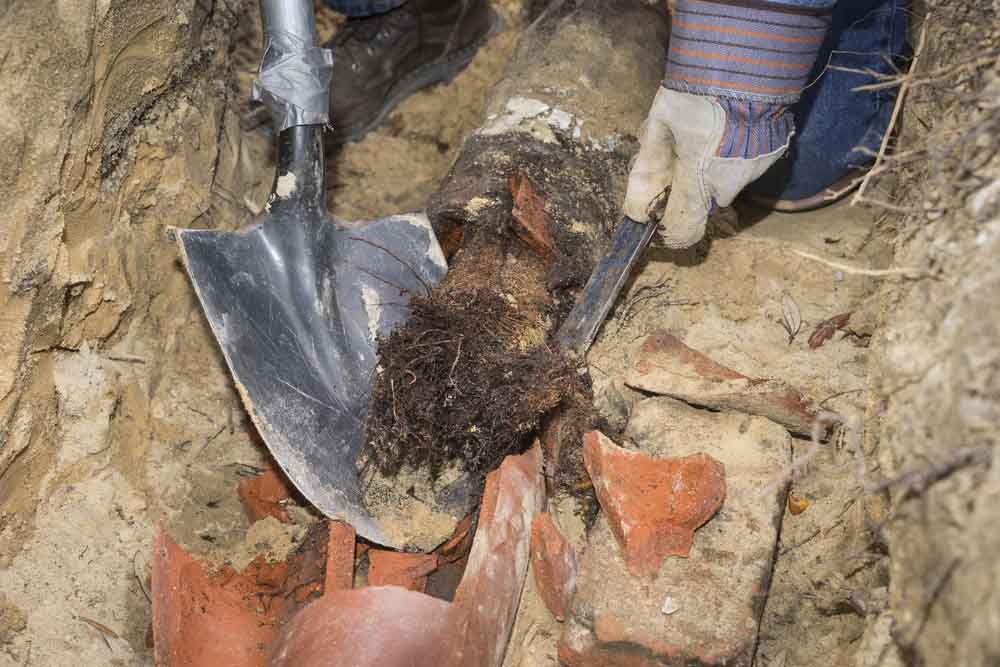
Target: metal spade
point(297, 297)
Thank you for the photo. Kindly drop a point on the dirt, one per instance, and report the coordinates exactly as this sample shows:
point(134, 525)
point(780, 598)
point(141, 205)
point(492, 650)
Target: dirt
point(417, 510)
point(12, 620)
point(117, 413)
point(937, 368)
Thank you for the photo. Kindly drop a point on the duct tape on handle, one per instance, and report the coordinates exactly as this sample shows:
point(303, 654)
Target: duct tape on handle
point(294, 81)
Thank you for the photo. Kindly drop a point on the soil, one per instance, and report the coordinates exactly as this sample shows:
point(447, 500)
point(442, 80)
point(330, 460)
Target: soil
point(117, 414)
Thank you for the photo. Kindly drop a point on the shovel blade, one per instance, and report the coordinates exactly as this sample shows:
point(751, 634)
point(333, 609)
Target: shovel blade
point(296, 301)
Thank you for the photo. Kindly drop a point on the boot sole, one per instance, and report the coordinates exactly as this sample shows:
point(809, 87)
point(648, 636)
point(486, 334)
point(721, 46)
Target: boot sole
point(843, 186)
point(440, 72)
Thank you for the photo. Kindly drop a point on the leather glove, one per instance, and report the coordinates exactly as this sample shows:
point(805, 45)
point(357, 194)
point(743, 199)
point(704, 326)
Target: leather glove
point(720, 120)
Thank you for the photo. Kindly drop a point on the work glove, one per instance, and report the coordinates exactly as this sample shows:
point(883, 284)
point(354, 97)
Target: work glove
point(721, 118)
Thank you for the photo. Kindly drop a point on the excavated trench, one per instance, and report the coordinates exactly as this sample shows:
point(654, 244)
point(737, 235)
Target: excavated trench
point(118, 419)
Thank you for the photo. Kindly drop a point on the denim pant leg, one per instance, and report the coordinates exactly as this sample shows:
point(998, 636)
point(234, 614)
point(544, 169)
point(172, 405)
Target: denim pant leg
point(832, 119)
point(361, 8)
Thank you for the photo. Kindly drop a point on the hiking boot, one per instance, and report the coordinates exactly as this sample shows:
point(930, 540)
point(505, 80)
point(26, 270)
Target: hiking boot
point(381, 60)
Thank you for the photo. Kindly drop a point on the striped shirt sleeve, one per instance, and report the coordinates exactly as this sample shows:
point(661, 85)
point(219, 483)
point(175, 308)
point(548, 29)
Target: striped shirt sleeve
point(750, 51)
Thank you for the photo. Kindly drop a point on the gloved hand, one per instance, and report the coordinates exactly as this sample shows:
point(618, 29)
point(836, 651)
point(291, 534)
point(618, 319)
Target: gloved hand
point(720, 120)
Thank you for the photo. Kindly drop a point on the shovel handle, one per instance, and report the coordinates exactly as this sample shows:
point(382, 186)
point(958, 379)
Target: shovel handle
point(294, 17)
point(300, 99)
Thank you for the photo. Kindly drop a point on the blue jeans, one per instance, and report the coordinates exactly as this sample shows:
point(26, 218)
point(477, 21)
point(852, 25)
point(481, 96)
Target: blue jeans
point(837, 127)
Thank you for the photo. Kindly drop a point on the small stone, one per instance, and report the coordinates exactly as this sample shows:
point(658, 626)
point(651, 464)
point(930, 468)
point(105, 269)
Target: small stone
point(653, 506)
point(669, 606)
point(554, 563)
point(395, 568)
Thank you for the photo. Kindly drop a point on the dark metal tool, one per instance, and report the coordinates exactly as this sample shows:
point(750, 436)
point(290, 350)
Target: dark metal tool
point(606, 281)
point(296, 298)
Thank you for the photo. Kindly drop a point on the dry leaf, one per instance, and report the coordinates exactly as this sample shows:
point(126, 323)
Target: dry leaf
point(824, 330)
point(791, 316)
point(797, 504)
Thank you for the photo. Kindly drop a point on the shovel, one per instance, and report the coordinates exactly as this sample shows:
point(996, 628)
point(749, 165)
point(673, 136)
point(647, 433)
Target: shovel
point(297, 298)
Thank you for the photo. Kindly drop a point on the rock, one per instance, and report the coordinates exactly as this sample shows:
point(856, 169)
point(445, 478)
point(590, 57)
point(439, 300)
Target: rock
point(665, 365)
point(716, 595)
point(395, 568)
point(340, 557)
point(388, 626)
point(262, 495)
point(652, 506)
point(555, 566)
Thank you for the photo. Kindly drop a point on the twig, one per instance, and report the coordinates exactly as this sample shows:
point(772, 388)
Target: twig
point(896, 207)
point(392, 386)
point(904, 87)
point(458, 354)
point(924, 477)
point(126, 358)
point(838, 394)
point(245, 469)
point(208, 441)
point(859, 271)
point(823, 419)
point(104, 630)
point(433, 343)
point(932, 77)
point(138, 580)
point(642, 294)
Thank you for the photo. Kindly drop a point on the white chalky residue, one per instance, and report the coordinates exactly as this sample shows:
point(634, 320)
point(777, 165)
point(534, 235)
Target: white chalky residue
point(434, 252)
point(526, 107)
point(560, 119)
point(371, 300)
point(524, 114)
point(286, 185)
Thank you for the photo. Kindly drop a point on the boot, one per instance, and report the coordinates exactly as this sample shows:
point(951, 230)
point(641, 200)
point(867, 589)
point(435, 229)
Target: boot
point(381, 60)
